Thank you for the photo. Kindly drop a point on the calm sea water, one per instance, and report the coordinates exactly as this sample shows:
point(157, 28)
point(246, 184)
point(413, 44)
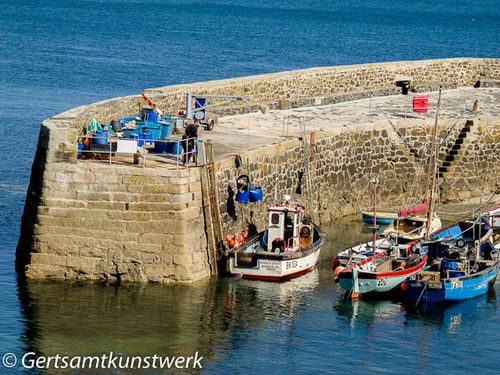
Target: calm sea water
point(58, 54)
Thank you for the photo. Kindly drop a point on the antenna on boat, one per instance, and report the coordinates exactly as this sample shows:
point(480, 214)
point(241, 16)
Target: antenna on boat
point(375, 183)
point(431, 172)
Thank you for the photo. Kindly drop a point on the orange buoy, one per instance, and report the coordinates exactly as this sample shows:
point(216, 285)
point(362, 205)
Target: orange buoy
point(404, 287)
point(337, 271)
point(230, 241)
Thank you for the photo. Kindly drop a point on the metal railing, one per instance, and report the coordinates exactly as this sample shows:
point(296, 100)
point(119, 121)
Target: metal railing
point(180, 152)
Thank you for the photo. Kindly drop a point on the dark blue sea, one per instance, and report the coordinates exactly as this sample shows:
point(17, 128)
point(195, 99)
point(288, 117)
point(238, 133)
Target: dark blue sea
point(57, 54)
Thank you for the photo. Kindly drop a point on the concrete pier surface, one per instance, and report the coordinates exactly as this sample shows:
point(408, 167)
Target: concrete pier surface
point(239, 133)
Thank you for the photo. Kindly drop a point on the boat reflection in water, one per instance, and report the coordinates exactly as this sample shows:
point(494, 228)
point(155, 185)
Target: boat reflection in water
point(366, 312)
point(277, 299)
point(92, 319)
point(452, 316)
point(375, 311)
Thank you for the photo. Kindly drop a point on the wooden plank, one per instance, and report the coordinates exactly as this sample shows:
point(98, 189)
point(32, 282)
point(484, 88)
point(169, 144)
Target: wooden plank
point(207, 213)
point(215, 206)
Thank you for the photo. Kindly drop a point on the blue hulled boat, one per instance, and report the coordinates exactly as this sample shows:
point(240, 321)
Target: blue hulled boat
point(427, 289)
point(383, 218)
point(465, 264)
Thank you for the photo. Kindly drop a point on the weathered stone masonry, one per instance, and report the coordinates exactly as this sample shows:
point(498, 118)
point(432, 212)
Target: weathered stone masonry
point(119, 223)
point(342, 164)
point(92, 221)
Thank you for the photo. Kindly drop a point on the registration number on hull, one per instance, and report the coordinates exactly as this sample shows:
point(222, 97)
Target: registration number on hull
point(456, 284)
point(269, 266)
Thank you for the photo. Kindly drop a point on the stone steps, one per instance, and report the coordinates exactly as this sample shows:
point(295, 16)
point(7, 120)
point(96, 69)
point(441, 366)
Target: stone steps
point(454, 152)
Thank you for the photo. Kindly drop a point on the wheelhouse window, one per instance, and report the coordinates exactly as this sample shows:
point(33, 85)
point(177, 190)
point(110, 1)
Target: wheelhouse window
point(275, 219)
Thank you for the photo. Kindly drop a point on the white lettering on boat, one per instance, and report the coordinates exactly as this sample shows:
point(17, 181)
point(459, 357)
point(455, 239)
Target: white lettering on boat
point(269, 265)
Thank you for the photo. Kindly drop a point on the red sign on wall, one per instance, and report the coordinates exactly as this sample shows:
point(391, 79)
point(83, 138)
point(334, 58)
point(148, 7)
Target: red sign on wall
point(420, 103)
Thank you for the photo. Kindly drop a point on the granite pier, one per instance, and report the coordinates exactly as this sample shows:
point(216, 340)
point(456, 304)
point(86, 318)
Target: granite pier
point(341, 126)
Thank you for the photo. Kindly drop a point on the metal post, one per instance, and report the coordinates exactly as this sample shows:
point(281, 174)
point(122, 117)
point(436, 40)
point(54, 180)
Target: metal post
point(375, 182)
point(205, 152)
point(355, 281)
point(189, 111)
point(177, 158)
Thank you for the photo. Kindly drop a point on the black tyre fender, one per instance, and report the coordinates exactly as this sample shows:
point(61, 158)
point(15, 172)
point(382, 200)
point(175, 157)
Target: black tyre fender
point(210, 124)
point(305, 232)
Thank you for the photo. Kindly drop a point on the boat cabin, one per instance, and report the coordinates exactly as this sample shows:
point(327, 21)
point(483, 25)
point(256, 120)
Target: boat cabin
point(410, 224)
point(411, 228)
point(493, 217)
point(286, 222)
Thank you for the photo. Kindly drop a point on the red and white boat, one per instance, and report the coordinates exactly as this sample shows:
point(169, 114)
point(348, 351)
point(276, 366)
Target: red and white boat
point(383, 271)
point(288, 248)
point(383, 275)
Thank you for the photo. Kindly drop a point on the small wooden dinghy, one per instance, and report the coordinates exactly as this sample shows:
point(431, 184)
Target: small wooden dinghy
point(383, 218)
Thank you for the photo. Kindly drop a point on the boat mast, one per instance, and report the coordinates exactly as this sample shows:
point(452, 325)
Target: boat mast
point(375, 182)
point(431, 173)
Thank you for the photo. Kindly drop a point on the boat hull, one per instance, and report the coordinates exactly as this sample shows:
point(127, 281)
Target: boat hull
point(359, 281)
point(276, 269)
point(359, 253)
point(453, 289)
point(383, 218)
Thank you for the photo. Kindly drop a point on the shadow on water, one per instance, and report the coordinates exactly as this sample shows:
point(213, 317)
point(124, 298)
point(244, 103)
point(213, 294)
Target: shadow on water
point(75, 318)
point(83, 318)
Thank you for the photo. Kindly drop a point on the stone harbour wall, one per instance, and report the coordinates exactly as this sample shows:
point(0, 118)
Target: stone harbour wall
point(305, 87)
point(342, 165)
point(91, 221)
point(116, 223)
point(327, 85)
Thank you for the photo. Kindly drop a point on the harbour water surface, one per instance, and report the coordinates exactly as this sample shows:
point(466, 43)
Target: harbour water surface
point(59, 54)
point(241, 326)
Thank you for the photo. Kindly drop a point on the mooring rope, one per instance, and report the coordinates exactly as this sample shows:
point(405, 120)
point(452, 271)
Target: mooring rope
point(421, 294)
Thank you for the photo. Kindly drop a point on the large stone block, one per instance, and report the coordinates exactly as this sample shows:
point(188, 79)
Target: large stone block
point(81, 262)
point(45, 271)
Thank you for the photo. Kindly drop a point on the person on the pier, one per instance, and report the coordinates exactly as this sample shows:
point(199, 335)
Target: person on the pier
point(190, 137)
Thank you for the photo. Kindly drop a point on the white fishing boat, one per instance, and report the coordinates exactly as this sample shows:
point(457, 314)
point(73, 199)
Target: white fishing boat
point(288, 248)
point(401, 234)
